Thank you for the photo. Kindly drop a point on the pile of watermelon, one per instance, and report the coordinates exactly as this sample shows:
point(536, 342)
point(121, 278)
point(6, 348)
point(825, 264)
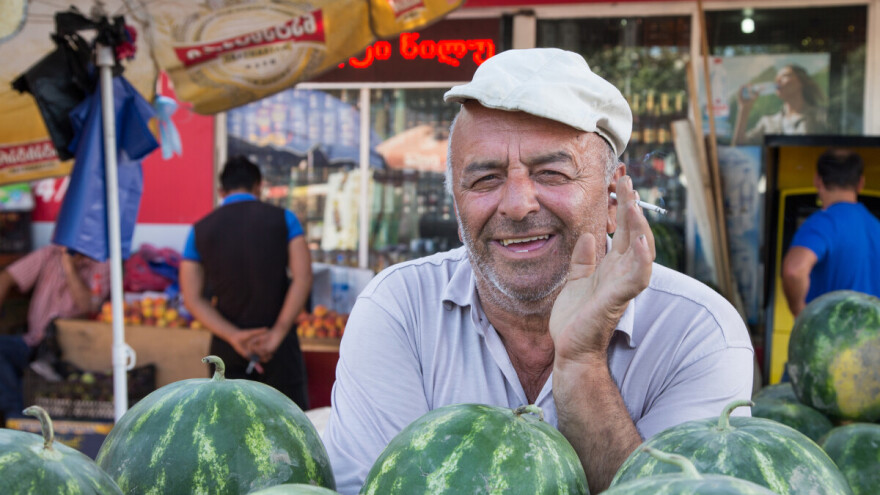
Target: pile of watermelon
point(213, 436)
point(815, 435)
point(758, 450)
point(475, 448)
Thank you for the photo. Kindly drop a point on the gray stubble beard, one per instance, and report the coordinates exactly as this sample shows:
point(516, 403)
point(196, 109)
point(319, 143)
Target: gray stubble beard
point(537, 300)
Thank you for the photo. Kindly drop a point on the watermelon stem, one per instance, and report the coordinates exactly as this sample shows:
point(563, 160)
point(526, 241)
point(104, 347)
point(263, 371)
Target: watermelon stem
point(219, 367)
point(724, 419)
point(45, 425)
point(687, 467)
point(531, 408)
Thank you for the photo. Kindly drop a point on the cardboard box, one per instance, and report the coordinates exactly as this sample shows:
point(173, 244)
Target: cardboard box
point(176, 352)
point(84, 436)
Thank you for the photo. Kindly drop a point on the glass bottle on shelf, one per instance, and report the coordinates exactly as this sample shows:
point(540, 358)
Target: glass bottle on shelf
point(399, 111)
point(649, 123)
point(680, 107)
point(636, 137)
point(663, 121)
point(381, 109)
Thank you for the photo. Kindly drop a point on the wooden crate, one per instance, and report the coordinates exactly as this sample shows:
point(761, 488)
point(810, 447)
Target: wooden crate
point(176, 352)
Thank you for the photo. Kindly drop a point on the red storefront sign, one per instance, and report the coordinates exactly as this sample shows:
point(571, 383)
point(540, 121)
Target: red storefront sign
point(447, 51)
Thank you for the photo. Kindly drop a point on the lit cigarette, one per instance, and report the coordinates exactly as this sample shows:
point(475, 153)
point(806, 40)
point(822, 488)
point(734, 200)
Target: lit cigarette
point(647, 206)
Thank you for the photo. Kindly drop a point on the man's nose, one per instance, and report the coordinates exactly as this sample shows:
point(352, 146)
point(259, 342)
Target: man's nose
point(519, 197)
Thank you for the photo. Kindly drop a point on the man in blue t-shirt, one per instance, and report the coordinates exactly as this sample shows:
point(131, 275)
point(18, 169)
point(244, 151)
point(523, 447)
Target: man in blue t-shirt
point(838, 247)
point(246, 275)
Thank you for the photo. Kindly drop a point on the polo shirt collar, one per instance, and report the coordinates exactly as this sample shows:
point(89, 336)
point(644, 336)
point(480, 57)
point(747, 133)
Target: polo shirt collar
point(238, 197)
point(461, 290)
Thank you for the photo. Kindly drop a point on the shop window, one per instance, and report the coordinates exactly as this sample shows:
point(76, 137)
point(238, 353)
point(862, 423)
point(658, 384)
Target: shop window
point(794, 71)
point(646, 59)
point(832, 38)
point(307, 144)
point(411, 213)
point(304, 141)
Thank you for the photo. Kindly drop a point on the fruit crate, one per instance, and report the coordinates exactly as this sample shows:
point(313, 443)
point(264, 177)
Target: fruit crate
point(84, 395)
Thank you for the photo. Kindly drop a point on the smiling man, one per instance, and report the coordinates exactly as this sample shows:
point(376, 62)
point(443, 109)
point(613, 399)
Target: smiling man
point(540, 306)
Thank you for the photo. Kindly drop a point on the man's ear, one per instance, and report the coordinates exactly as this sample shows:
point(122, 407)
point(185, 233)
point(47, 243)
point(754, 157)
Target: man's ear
point(611, 222)
point(861, 184)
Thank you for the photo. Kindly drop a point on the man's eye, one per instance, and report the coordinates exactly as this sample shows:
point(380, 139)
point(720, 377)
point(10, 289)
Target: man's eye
point(551, 174)
point(485, 179)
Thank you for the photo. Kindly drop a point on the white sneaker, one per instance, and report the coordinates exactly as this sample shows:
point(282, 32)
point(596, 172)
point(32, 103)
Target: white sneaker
point(45, 370)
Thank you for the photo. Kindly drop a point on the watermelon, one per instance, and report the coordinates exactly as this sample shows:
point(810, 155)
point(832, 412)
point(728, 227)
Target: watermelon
point(834, 355)
point(214, 436)
point(295, 489)
point(801, 417)
point(688, 482)
point(475, 448)
point(31, 463)
point(856, 450)
point(779, 391)
point(759, 450)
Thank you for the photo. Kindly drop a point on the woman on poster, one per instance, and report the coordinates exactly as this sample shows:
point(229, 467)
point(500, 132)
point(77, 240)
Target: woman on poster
point(803, 108)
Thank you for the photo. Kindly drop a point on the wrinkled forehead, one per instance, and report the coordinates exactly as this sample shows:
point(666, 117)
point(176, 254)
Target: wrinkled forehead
point(476, 121)
point(481, 126)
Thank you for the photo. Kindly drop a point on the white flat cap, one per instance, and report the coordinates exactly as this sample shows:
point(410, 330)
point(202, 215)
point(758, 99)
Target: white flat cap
point(554, 84)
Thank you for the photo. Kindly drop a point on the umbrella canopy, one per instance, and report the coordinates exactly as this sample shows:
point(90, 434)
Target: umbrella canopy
point(27, 151)
point(220, 54)
point(224, 53)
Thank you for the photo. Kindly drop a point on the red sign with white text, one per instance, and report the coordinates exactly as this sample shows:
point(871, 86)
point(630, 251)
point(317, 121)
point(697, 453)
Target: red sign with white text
point(447, 51)
point(13, 155)
point(309, 27)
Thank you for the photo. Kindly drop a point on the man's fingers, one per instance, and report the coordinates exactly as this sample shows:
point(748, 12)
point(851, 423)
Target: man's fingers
point(638, 226)
point(583, 258)
point(624, 192)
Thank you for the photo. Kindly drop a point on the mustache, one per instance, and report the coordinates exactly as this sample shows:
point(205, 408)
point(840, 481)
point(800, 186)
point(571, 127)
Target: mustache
point(505, 226)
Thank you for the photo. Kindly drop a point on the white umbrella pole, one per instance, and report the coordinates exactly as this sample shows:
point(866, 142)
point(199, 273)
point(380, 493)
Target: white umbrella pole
point(121, 351)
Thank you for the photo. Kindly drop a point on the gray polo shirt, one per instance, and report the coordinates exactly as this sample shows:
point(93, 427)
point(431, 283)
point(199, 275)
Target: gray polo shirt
point(417, 339)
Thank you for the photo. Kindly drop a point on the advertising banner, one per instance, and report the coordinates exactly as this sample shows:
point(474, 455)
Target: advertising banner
point(741, 172)
point(756, 95)
point(223, 54)
point(390, 17)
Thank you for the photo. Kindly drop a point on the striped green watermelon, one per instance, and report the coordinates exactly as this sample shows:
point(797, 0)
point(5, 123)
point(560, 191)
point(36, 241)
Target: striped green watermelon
point(801, 417)
point(754, 449)
point(687, 482)
point(780, 391)
point(834, 355)
point(856, 450)
point(214, 436)
point(31, 463)
point(474, 449)
point(295, 489)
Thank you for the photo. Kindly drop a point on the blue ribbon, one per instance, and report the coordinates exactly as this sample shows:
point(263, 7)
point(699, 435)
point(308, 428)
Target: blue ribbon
point(168, 135)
